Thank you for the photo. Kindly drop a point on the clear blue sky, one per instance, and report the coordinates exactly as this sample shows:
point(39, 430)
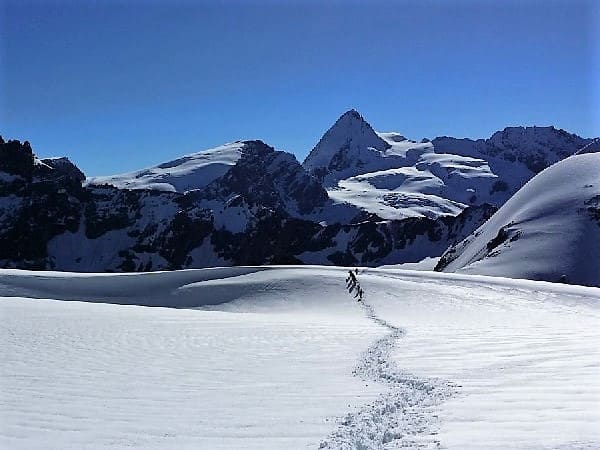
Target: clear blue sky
point(119, 85)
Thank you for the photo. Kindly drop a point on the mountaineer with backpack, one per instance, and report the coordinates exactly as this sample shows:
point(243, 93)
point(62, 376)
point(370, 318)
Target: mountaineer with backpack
point(352, 284)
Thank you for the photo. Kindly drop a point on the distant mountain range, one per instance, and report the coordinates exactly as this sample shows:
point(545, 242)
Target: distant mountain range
point(360, 198)
point(389, 175)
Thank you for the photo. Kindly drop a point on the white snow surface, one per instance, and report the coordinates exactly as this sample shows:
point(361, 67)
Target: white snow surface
point(264, 358)
point(189, 172)
point(425, 264)
point(413, 197)
point(421, 183)
point(549, 226)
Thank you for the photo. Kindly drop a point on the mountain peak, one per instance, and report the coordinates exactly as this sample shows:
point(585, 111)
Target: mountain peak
point(351, 119)
point(345, 143)
point(352, 114)
point(64, 167)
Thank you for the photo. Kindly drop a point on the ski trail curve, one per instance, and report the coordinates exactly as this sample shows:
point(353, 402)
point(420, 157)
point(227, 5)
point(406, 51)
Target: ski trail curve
point(404, 416)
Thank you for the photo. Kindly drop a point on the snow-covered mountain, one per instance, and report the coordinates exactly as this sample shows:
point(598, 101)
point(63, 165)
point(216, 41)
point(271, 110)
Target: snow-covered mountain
point(262, 208)
point(394, 177)
point(189, 172)
point(360, 198)
point(349, 147)
point(549, 230)
point(251, 168)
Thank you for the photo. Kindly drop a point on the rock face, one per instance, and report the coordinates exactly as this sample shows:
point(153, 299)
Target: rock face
point(268, 178)
point(549, 230)
point(37, 202)
point(373, 242)
point(360, 198)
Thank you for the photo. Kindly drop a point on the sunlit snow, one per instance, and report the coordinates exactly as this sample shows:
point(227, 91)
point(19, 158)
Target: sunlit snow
point(284, 357)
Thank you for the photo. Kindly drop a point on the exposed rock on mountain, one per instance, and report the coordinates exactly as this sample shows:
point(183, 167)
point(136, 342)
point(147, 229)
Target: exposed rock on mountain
point(269, 178)
point(37, 202)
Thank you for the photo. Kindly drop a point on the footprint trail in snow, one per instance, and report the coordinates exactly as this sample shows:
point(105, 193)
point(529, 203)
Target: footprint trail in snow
point(404, 416)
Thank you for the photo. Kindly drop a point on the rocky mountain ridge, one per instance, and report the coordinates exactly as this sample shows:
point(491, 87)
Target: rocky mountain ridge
point(246, 203)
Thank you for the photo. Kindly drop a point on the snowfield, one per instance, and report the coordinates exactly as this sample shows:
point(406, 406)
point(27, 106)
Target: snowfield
point(283, 357)
point(549, 230)
point(192, 171)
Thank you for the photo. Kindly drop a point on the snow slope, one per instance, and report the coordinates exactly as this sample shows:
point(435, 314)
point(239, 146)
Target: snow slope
point(192, 171)
point(283, 357)
point(549, 230)
point(424, 183)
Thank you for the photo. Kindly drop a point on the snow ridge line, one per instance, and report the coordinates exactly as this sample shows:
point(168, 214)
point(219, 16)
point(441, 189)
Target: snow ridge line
point(403, 416)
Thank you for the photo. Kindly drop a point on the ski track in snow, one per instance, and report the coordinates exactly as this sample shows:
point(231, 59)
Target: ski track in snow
point(404, 415)
point(263, 358)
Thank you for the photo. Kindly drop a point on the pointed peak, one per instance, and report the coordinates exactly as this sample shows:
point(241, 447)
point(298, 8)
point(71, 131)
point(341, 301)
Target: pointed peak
point(344, 145)
point(352, 112)
point(352, 121)
point(350, 116)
